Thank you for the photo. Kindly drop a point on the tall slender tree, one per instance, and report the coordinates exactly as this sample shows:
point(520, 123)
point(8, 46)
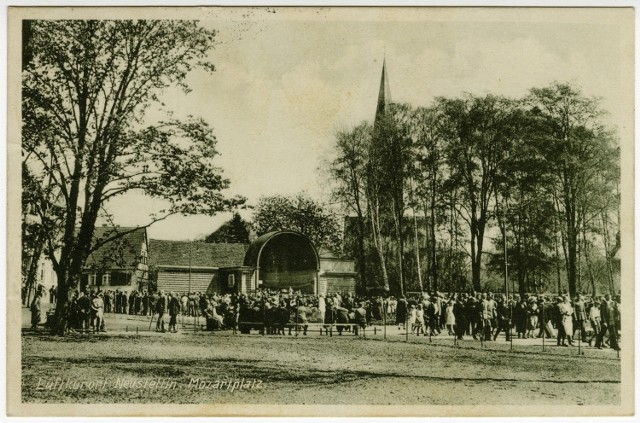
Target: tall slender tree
point(479, 130)
point(347, 172)
point(578, 149)
point(430, 175)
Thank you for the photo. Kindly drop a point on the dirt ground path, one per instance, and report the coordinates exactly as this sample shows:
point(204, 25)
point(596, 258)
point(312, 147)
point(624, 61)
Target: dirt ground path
point(223, 368)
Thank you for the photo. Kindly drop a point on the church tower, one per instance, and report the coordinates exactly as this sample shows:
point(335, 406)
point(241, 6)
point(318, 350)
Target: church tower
point(384, 96)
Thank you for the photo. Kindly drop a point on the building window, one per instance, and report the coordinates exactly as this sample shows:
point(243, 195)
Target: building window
point(231, 280)
point(106, 279)
point(92, 279)
point(120, 278)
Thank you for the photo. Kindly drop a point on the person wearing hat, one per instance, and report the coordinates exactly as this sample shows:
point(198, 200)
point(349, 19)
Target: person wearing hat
point(594, 318)
point(433, 315)
point(471, 316)
point(401, 312)
point(301, 316)
point(503, 319)
point(84, 311)
point(580, 314)
point(520, 317)
point(532, 317)
point(558, 321)
point(565, 312)
point(608, 321)
point(450, 316)
point(488, 314)
point(342, 316)
point(97, 313)
point(360, 317)
point(322, 307)
point(174, 309)
point(617, 314)
point(461, 324)
point(36, 307)
point(161, 308)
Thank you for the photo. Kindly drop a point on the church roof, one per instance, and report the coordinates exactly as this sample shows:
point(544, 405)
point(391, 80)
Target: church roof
point(384, 96)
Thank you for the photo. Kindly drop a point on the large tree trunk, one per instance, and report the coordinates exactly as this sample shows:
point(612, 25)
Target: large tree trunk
point(416, 240)
point(362, 265)
point(399, 234)
point(377, 242)
point(609, 251)
point(572, 250)
point(434, 258)
point(557, 252)
point(64, 298)
point(475, 258)
point(417, 250)
point(32, 274)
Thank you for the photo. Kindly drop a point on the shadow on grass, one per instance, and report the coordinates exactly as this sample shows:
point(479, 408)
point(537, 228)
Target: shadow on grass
point(261, 369)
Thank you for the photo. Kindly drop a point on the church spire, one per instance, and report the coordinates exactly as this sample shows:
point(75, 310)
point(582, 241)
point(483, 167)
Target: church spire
point(384, 96)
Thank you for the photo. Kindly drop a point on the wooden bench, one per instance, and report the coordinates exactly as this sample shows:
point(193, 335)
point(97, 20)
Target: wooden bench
point(328, 327)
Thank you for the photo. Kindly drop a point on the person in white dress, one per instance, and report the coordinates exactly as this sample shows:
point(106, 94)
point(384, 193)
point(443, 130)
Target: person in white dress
point(322, 307)
point(412, 316)
point(418, 326)
point(450, 318)
point(566, 316)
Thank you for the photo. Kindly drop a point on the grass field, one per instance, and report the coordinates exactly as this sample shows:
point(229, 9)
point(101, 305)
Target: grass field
point(225, 368)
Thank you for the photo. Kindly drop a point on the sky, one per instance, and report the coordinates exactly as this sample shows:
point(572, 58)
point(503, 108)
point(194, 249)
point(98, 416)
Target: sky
point(288, 79)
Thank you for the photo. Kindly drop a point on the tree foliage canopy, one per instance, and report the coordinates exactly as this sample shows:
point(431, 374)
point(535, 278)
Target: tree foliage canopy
point(299, 213)
point(234, 231)
point(86, 139)
point(431, 185)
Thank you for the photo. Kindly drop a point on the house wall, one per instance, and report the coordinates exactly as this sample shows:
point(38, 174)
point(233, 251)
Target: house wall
point(337, 275)
point(46, 275)
point(137, 279)
point(341, 283)
point(206, 281)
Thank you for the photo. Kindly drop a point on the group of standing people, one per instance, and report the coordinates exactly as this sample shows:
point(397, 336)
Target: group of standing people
point(479, 315)
point(485, 316)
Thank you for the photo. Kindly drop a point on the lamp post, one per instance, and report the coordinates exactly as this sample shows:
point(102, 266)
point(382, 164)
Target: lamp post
point(189, 288)
point(504, 246)
point(190, 243)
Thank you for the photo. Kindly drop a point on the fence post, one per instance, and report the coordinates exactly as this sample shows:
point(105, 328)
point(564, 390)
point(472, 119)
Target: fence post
point(543, 327)
point(580, 342)
point(510, 325)
point(384, 321)
point(406, 326)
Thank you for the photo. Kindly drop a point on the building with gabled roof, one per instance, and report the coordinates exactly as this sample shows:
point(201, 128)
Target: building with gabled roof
point(119, 260)
point(194, 266)
point(279, 260)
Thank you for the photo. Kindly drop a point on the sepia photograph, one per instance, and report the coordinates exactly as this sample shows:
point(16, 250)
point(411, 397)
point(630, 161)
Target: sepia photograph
point(320, 211)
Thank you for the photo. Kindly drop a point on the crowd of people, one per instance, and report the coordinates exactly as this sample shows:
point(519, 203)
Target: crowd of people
point(483, 316)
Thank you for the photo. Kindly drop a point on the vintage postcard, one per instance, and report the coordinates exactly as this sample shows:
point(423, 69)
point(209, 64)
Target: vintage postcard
point(320, 211)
